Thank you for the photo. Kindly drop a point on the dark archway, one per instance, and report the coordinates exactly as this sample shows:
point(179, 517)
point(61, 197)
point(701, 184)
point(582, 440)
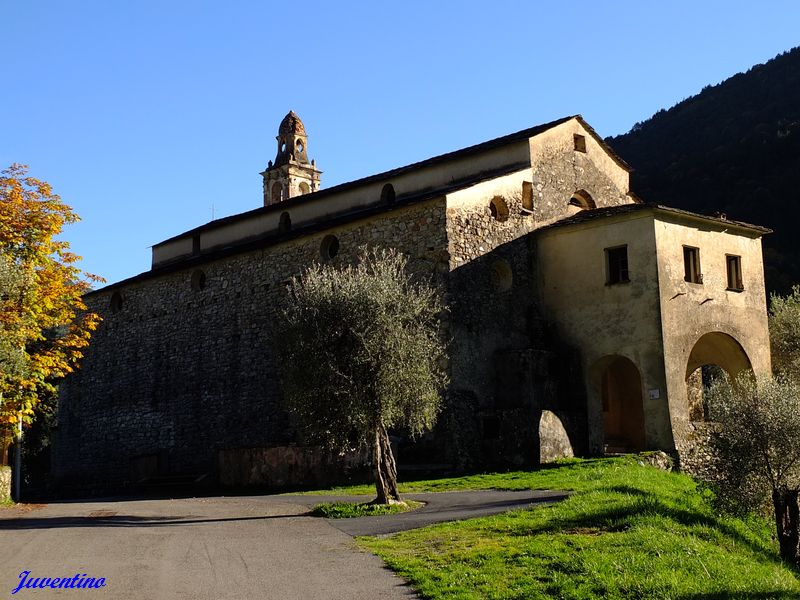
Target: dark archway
point(717, 348)
point(714, 355)
point(623, 412)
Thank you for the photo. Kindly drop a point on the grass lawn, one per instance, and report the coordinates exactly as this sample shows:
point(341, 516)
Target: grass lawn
point(348, 510)
point(627, 531)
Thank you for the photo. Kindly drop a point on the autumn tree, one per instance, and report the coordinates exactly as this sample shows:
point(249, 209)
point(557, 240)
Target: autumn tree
point(44, 322)
point(360, 353)
point(757, 451)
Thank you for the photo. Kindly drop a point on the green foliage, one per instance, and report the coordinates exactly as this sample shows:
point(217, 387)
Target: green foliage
point(348, 510)
point(733, 148)
point(628, 531)
point(758, 440)
point(360, 353)
point(784, 333)
point(359, 347)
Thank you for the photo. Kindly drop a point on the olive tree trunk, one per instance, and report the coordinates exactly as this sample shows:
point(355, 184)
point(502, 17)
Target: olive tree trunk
point(385, 468)
point(787, 522)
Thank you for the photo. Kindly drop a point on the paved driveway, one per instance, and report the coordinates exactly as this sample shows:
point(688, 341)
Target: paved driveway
point(207, 548)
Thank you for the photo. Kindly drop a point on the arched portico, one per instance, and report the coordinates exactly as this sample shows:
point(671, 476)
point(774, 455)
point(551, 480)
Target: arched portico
point(620, 391)
point(715, 353)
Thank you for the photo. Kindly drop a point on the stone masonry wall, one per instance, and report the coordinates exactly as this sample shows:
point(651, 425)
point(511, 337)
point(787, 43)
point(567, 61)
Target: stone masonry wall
point(175, 375)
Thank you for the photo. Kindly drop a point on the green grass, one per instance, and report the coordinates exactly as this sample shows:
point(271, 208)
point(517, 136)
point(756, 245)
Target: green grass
point(347, 510)
point(627, 531)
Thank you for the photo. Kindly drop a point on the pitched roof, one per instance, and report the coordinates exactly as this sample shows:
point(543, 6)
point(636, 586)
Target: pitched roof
point(586, 216)
point(435, 160)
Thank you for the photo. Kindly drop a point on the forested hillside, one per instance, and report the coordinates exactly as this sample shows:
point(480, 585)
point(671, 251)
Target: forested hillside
point(734, 148)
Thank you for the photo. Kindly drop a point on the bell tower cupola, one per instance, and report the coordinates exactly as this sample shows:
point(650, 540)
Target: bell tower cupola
point(291, 174)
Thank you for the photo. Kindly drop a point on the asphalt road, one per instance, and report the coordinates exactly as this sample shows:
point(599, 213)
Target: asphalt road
point(260, 547)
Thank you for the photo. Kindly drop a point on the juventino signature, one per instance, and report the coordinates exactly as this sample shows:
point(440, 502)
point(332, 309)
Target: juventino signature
point(78, 581)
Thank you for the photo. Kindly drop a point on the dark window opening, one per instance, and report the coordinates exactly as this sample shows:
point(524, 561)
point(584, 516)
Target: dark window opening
point(277, 192)
point(617, 265)
point(329, 247)
point(583, 200)
point(198, 280)
point(580, 143)
point(527, 196)
point(116, 302)
point(734, 266)
point(387, 194)
point(499, 209)
point(285, 223)
point(501, 275)
point(691, 265)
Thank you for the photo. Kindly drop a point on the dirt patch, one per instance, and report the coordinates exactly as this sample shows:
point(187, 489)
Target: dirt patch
point(13, 511)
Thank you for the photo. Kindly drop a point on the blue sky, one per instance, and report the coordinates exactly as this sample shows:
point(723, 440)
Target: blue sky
point(143, 115)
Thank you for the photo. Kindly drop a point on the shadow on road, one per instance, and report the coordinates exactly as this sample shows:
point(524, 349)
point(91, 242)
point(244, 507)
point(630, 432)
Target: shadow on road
point(124, 521)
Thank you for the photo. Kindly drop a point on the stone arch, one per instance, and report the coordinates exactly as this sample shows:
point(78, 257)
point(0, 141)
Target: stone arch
point(717, 348)
point(620, 386)
point(713, 355)
point(304, 188)
point(582, 200)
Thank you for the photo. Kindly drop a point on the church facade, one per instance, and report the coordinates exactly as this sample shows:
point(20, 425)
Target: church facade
point(579, 317)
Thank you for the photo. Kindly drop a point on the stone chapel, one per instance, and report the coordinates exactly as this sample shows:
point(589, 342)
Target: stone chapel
point(580, 318)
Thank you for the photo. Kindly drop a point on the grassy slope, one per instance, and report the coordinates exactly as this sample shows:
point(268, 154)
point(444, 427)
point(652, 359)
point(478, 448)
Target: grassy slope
point(628, 531)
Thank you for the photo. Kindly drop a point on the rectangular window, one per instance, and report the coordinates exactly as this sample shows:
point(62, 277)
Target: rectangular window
point(734, 265)
point(691, 265)
point(617, 265)
point(580, 143)
point(527, 196)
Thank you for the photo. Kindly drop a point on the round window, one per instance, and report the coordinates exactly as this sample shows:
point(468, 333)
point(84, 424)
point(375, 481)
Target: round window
point(499, 209)
point(330, 247)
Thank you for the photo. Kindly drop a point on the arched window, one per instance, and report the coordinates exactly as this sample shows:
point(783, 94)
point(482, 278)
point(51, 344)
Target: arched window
point(285, 223)
point(304, 189)
point(115, 303)
point(277, 192)
point(582, 200)
point(499, 209)
point(501, 275)
point(198, 280)
point(387, 194)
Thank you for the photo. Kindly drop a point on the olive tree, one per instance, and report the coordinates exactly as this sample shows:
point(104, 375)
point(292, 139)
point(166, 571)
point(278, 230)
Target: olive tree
point(784, 332)
point(360, 353)
point(757, 451)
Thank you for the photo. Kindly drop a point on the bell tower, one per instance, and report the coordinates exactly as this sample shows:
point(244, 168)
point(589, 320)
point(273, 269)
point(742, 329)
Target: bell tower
point(292, 174)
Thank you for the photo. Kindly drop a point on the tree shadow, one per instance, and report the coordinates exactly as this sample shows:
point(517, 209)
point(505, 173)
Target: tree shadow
point(775, 595)
point(124, 521)
point(619, 518)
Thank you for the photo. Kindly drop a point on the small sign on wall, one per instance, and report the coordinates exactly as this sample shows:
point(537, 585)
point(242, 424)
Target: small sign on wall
point(654, 394)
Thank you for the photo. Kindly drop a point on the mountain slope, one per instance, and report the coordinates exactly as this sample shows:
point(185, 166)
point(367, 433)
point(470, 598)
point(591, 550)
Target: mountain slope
point(734, 148)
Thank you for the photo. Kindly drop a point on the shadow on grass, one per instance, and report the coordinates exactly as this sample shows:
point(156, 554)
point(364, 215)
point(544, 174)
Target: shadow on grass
point(777, 595)
point(644, 503)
